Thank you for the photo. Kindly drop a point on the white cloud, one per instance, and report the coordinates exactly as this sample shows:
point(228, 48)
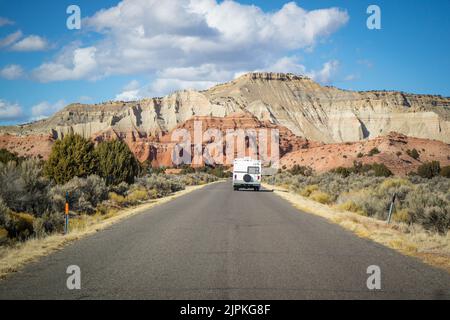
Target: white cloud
point(292, 65)
point(12, 72)
point(9, 111)
point(10, 39)
point(325, 75)
point(190, 42)
point(45, 109)
point(5, 21)
point(81, 63)
point(30, 43)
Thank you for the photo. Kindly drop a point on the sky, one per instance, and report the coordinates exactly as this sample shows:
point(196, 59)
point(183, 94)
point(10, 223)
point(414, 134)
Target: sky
point(127, 50)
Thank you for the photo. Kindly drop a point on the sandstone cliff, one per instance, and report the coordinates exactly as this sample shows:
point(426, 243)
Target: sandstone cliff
point(307, 109)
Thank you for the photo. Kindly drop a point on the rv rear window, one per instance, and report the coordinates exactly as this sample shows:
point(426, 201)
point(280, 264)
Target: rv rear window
point(253, 170)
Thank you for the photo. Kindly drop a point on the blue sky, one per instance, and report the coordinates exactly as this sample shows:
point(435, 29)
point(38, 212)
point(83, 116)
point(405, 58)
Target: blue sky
point(171, 45)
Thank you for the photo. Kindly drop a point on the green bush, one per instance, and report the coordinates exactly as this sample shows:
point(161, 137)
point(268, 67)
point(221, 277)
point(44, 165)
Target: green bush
point(301, 170)
point(344, 172)
point(445, 172)
point(84, 194)
point(373, 152)
point(24, 188)
point(380, 170)
point(163, 184)
point(6, 156)
point(4, 213)
point(413, 154)
point(73, 156)
point(48, 223)
point(20, 226)
point(419, 200)
point(429, 170)
point(116, 163)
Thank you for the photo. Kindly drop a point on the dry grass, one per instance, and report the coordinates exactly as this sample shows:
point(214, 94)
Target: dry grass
point(431, 248)
point(13, 258)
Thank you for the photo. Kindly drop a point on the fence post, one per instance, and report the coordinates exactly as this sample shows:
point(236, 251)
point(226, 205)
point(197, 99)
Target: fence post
point(391, 208)
point(66, 215)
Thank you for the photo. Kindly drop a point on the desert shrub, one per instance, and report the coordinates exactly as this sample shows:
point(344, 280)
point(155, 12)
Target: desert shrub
point(375, 169)
point(6, 156)
point(137, 195)
point(321, 197)
point(350, 206)
point(84, 194)
point(19, 226)
point(419, 200)
point(73, 156)
point(153, 170)
point(186, 169)
point(445, 171)
point(301, 170)
point(373, 152)
point(163, 184)
point(116, 163)
point(413, 154)
point(196, 178)
point(429, 208)
point(429, 170)
point(401, 216)
point(308, 190)
point(380, 170)
point(120, 189)
point(48, 223)
point(24, 188)
point(218, 171)
point(4, 213)
point(360, 155)
point(344, 172)
point(117, 199)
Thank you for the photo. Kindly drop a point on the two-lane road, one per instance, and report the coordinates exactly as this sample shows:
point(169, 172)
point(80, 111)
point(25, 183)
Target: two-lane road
point(218, 244)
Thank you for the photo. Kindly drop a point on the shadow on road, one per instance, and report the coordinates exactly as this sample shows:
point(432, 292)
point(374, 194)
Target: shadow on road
point(251, 190)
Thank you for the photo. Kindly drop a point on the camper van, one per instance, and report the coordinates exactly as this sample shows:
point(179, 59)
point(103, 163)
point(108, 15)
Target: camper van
point(247, 174)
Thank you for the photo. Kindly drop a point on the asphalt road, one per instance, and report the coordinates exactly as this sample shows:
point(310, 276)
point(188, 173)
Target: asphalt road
point(218, 244)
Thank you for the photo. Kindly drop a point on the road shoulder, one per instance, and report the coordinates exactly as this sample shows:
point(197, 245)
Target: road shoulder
point(432, 249)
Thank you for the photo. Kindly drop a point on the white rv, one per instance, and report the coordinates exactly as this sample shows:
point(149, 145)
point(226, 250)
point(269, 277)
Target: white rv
point(247, 174)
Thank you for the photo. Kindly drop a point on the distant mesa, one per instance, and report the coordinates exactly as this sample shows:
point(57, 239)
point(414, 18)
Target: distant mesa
point(300, 107)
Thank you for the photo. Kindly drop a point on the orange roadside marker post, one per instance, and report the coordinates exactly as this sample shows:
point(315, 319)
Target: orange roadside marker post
point(66, 215)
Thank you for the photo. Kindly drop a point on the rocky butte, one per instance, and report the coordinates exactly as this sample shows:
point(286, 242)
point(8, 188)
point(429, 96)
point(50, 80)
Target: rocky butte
point(309, 116)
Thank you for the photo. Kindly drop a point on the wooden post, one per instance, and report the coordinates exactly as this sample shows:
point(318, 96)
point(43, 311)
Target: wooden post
point(391, 208)
point(66, 215)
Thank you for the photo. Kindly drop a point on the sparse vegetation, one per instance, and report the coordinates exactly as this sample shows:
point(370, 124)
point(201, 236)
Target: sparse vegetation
point(421, 201)
point(6, 156)
point(429, 170)
point(375, 169)
point(413, 153)
point(301, 170)
point(97, 181)
point(445, 171)
point(373, 152)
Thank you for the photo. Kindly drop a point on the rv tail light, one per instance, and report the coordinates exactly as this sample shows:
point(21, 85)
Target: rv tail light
point(258, 177)
point(235, 176)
